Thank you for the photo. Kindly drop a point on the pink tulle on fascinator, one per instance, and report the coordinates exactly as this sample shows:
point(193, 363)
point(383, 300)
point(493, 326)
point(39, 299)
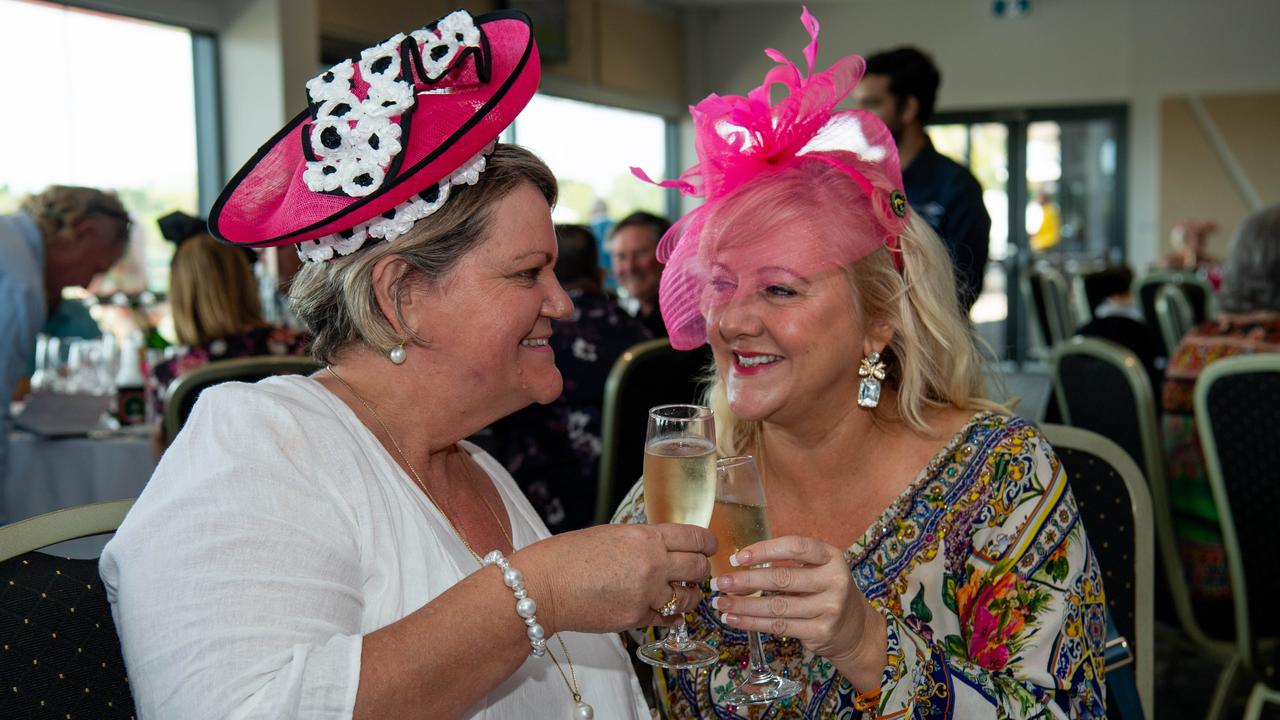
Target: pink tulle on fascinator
point(842, 164)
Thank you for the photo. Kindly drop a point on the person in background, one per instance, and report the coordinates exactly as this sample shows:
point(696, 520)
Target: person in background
point(928, 557)
point(213, 295)
point(601, 226)
point(553, 451)
point(1116, 317)
point(1190, 241)
point(900, 87)
point(634, 247)
point(1048, 231)
point(1249, 323)
point(62, 237)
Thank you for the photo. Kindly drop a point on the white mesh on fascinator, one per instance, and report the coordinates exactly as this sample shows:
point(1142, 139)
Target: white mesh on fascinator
point(792, 189)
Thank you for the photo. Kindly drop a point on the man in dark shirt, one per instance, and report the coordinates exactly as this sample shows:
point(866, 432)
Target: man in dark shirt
point(553, 451)
point(633, 245)
point(900, 87)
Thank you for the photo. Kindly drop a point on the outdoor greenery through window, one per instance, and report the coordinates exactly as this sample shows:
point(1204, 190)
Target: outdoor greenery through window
point(103, 101)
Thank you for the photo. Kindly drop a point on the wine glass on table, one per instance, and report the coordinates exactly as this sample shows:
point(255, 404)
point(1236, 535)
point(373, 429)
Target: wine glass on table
point(679, 487)
point(740, 518)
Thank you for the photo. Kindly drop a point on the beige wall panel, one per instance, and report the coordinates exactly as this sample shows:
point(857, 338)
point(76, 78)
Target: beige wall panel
point(581, 65)
point(641, 51)
point(1251, 126)
point(373, 20)
point(1193, 180)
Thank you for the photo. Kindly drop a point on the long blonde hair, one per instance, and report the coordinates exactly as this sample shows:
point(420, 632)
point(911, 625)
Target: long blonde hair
point(933, 360)
point(212, 291)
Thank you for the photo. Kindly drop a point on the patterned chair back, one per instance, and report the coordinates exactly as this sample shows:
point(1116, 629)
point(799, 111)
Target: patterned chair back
point(61, 656)
point(651, 373)
point(1115, 507)
point(1237, 404)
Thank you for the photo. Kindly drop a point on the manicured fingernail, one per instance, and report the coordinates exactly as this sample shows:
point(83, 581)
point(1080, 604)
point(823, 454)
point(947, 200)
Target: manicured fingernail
point(715, 602)
point(740, 558)
point(727, 619)
point(721, 583)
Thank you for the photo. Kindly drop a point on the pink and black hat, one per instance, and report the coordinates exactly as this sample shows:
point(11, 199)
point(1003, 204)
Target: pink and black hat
point(384, 138)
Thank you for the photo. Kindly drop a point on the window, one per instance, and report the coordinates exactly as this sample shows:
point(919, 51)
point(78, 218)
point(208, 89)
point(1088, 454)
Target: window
point(591, 149)
point(103, 101)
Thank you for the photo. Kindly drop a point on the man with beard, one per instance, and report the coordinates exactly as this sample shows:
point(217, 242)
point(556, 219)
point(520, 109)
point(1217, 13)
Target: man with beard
point(900, 87)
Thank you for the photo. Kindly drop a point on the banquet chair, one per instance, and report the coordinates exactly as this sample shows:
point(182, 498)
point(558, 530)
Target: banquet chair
point(650, 373)
point(1050, 299)
point(61, 654)
point(1115, 507)
point(1102, 387)
point(1173, 314)
point(1237, 406)
point(1196, 289)
point(182, 393)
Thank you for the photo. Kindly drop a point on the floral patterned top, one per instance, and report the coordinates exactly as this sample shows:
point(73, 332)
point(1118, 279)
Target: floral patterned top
point(258, 341)
point(993, 598)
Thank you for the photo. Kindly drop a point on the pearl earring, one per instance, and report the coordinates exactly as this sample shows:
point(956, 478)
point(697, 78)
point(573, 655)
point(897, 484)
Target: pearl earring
point(872, 371)
point(397, 354)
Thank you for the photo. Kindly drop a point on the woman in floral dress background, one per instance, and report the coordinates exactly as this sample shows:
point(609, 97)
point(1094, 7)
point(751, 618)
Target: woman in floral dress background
point(928, 557)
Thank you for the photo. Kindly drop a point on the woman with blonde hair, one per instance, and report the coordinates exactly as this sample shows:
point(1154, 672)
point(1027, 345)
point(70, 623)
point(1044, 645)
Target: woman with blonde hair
point(927, 554)
point(213, 295)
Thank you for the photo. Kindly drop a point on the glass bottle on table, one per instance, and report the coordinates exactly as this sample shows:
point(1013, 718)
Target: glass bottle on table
point(740, 518)
point(679, 487)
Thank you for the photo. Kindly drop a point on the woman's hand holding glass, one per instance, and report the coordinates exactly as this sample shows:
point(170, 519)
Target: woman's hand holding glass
point(810, 596)
point(610, 578)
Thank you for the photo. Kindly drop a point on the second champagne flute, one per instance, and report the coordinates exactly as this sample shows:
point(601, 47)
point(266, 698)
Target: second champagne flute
point(679, 487)
point(741, 518)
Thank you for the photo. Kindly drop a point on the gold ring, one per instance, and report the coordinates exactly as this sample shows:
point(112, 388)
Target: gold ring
point(670, 608)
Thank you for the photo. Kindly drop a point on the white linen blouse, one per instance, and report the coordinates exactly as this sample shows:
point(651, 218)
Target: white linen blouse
point(275, 533)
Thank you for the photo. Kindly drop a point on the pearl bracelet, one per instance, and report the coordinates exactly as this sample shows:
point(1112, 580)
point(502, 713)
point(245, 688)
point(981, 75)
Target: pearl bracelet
point(525, 606)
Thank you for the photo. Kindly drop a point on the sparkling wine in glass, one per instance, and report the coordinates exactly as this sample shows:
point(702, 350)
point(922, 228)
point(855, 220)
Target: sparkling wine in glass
point(679, 487)
point(740, 517)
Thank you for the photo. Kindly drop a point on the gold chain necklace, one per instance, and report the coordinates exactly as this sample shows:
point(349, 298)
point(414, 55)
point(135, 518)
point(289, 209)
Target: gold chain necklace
point(583, 710)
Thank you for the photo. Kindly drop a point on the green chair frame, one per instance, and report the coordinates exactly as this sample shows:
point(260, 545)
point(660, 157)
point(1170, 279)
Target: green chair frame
point(1153, 459)
point(1143, 551)
point(1173, 314)
point(1246, 644)
point(58, 526)
point(220, 371)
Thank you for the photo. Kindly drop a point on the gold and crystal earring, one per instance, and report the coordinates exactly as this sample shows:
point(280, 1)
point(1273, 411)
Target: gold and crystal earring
point(871, 371)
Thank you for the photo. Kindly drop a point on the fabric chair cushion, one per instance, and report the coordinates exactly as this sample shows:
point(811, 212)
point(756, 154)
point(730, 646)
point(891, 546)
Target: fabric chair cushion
point(60, 656)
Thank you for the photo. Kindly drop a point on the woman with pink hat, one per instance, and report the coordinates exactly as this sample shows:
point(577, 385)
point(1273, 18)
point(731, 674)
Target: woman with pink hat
point(330, 546)
point(927, 559)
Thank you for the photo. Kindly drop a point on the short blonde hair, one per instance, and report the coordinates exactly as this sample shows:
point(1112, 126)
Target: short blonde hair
point(59, 208)
point(932, 358)
point(336, 300)
point(212, 291)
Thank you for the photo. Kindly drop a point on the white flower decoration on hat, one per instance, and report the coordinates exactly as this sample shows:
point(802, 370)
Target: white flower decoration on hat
point(332, 84)
point(355, 141)
point(397, 221)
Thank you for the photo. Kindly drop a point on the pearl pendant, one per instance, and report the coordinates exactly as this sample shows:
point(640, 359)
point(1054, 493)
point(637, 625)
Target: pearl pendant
point(583, 711)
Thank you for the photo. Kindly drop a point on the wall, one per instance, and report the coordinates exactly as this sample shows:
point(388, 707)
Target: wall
point(1064, 52)
point(621, 52)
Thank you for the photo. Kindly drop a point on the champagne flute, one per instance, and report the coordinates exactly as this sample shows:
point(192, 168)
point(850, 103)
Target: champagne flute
point(679, 487)
point(740, 517)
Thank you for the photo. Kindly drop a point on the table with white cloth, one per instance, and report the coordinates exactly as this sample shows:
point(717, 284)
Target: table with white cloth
point(47, 474)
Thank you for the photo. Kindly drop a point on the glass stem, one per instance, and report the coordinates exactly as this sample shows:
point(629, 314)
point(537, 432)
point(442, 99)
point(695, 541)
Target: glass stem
point(758, 666)
point(679, 636)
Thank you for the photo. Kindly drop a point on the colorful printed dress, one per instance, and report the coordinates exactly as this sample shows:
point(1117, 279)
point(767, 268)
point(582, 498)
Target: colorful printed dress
point(1195, 516)
point(993, 598)
point(267, 340)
